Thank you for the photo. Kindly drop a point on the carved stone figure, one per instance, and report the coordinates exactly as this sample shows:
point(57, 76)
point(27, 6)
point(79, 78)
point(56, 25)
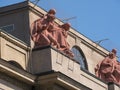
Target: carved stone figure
point(60, 33)
point(39, 31)
point(109, 69)
point(116, 72)
point(64, 45)
point(46, 32)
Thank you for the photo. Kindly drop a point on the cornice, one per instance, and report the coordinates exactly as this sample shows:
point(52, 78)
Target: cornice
point(86, 41)
point(61, 79)
point(15, 72)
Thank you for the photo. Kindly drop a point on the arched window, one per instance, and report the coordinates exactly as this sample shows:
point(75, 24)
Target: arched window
point(79, 56)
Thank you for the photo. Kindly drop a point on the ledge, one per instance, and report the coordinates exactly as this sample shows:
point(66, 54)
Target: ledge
point(51, 47)
point(61, 79)
point(86, 71)
point(14, 40)
point(13, 7)
point(50, 60)
point(15, 72)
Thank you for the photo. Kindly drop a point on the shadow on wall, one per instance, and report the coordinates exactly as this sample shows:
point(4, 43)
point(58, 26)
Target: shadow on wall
point(14, 63)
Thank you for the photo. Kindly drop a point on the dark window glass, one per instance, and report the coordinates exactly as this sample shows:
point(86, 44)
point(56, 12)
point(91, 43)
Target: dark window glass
point(79, 56)
point(8, 28)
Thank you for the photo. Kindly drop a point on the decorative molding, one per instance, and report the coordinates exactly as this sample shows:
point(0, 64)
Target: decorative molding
point(14, 40)
point(15, 72)
point(61, 79)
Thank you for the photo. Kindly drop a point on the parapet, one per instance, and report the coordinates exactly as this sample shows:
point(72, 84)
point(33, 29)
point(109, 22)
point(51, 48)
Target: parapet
point(48, 59)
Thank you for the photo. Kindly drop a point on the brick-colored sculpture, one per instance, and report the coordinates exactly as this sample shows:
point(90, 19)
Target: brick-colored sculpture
point(46, 32)
point(39, 31)
point(60, 33)
point(109, 68)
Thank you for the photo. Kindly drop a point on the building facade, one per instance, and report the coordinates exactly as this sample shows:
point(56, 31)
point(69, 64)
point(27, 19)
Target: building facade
point(46, 68)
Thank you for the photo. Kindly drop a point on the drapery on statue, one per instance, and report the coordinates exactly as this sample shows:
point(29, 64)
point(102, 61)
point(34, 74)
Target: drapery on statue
point(64, 45)
point(45, 31)
point(60, 33)
point(109, 68)
point(39, 31)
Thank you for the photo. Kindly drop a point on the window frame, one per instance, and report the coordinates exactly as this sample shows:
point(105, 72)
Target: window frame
point(83, 61)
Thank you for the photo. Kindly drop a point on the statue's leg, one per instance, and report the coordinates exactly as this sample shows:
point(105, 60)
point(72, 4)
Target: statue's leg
point(53, 40)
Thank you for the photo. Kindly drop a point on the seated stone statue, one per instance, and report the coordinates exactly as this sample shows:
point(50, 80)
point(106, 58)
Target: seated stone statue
point(46, 32)
point(109, 69)
point(39, 31)
point(60, 33)
point(64, 45)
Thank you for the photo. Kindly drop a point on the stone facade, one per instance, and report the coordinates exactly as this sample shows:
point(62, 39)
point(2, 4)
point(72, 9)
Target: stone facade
point(25, 68)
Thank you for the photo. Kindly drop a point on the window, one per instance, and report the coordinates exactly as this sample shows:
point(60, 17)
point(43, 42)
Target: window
point(79, 56)
point(8, 28)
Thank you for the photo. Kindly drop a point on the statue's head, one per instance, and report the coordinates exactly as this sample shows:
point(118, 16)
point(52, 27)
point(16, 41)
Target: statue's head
point(52, 11)
point(66, 26)
point(112, 54)
point(114, 51)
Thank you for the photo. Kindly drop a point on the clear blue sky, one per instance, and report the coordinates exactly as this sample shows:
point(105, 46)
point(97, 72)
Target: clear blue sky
point(96, 19)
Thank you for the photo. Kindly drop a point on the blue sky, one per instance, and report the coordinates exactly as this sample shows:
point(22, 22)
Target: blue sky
point(96, 19)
